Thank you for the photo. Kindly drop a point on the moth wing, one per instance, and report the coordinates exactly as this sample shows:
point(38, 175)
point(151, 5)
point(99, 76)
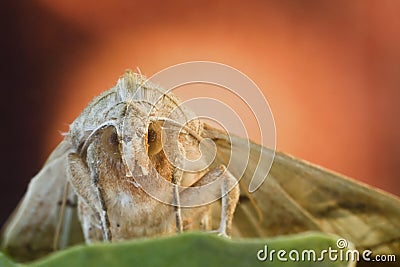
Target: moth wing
point(298, 196)
point(29, 233)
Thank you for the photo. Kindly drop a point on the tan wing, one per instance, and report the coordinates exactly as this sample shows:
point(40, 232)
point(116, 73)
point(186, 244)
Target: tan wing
point(298, 196)
point(29, 233)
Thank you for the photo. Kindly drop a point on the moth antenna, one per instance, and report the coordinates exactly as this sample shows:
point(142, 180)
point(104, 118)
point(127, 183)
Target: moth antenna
point(138, 70)
point(244, 189)
point(176, 177)
point(93, 134)
point(60, 218)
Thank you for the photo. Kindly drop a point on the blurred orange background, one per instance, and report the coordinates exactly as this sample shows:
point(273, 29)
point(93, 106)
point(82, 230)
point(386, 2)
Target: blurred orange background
point(330, 71)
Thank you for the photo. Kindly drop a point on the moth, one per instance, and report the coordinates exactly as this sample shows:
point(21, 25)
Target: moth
point(94, 186)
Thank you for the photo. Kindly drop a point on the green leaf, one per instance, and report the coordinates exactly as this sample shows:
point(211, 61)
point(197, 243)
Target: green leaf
point(5, 262)
point(189, 249)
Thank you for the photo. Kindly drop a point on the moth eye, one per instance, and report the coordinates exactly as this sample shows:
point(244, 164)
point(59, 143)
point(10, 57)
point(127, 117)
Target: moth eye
point(110, 142)
point(154, 138)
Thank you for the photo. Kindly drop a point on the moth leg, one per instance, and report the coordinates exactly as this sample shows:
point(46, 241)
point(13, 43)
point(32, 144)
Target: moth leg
point(177, 205)
point(226, 211)
point(205, 223)
point(85, 187)
point(229, 198)
point(228, 202)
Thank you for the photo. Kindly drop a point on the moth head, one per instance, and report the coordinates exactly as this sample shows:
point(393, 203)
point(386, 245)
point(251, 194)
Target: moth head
point(141, 145)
